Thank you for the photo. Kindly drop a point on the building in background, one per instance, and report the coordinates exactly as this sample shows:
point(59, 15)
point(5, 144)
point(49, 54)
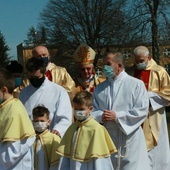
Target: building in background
point(24, 51)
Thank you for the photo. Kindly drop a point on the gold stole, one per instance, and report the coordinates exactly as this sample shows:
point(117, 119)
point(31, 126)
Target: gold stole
point(159, 83)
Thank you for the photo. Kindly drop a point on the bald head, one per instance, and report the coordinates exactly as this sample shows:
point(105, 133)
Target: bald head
point(40, 51)
point(141, 50)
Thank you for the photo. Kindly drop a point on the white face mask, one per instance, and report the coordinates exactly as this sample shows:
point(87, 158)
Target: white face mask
point(80, 114)
point(40, 126)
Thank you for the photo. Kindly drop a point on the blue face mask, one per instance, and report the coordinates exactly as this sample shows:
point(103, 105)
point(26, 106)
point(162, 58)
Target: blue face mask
point(1, 101)
point(46, 60)
point(18, 81)
point(141, 66)
point(108, 71)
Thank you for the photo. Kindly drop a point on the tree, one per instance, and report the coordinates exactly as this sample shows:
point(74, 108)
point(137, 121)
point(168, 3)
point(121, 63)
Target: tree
point(32, 35)
point(36, 36)
point(71, 22)
point(150, 21)
point(4, 56)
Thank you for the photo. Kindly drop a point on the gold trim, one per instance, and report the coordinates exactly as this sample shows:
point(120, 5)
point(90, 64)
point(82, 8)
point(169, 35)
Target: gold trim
point(87, 159)
point(16, 139)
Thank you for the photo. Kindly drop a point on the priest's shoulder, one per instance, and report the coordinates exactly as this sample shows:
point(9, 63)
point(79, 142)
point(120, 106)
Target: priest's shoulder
point(131, 79)
point(56, 86)
point(55, 67)
point(158, 69)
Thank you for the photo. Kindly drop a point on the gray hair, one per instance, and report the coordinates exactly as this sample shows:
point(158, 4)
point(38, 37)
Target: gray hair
point(141, 50)
point(118, 56)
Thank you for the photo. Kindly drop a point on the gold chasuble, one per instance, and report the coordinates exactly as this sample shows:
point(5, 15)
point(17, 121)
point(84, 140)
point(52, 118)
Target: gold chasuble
point(49, 143)
point(91, 141)
point(62, 78)
point(14, 121)
point(156, 80)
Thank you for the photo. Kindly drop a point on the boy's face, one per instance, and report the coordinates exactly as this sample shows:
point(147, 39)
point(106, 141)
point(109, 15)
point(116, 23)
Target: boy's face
point(40, 123)
point(83, 108)
point(41, 119)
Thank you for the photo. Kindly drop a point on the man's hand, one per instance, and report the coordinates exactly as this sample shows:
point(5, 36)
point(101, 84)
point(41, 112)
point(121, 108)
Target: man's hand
point(56, 132)
point(108, 115)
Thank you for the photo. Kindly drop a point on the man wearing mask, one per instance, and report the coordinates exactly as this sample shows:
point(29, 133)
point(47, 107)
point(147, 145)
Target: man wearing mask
point(51, 95)
point(157, 83)
point(56, 74)
point(121, 104)
point(16, 70)
point(86, 78)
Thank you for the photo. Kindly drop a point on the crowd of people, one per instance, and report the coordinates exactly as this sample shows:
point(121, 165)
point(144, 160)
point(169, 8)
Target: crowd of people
point(49, 121)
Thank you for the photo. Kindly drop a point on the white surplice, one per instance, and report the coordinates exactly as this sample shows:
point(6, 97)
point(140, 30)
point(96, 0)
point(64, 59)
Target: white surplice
point(127, 96)
point(42, 163)
point(93, 164)
point(159, 156)
point(17, 155)
point(53, 97)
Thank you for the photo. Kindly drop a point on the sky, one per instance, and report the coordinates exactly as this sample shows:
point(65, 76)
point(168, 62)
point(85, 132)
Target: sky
point(16, 17)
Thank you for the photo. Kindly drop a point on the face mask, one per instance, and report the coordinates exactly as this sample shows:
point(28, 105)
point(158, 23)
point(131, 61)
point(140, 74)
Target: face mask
point(108, 71)
point(37, 82)
point(45, 59)
point(40, 126)
point(80, 114)
point(141, 66)
point(18, 81)
point(1, 101)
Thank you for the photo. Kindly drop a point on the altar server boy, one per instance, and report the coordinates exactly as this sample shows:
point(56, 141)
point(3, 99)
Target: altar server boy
point(86, 144)
point(45, 157)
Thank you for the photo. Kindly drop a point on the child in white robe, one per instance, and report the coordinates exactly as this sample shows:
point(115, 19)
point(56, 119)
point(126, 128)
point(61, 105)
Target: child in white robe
point(45, 157)
point(86, 144)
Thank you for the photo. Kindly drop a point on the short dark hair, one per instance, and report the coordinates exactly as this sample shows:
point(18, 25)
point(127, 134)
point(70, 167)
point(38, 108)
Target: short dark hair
point(7, 80)
point(36, 63)
point(40, 111)
point(14, 67)
point(83, 98)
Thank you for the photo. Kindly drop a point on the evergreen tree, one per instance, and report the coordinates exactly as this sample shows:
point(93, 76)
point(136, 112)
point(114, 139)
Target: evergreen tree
point(4, 56)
